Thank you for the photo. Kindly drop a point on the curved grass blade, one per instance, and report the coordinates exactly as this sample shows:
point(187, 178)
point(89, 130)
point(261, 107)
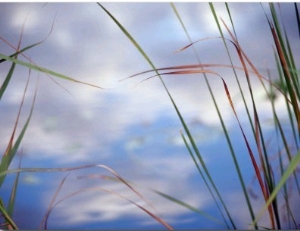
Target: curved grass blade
point(119, 178)
point(45, 218)
point(166, 225)
point(125, 183)
point(191, 66)
point(16, 170)
point(179, 202)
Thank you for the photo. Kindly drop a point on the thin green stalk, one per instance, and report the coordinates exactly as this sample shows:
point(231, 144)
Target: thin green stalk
point(204, 179)
point(13, 195)
point(12, 149)
point(278, 130)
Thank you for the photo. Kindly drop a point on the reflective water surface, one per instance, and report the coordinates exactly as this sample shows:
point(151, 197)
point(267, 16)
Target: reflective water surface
point(130, 126)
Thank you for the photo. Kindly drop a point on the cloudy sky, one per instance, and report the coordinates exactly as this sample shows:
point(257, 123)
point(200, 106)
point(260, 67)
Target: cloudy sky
point(127, 123)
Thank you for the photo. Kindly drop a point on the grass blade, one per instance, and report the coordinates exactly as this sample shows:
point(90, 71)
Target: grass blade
point(11, 224)
point(7, 80)
point(12, 149)
point(120, 179)
point(285, 63)
point(290, 169)
point(45, 218)
point(177, 201)
point(12, 199)
point(189, 207)
point(204, 179)
point(45, 70)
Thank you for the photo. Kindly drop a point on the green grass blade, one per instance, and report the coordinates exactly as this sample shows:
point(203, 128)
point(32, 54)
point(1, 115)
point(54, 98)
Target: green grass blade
point(11, 70)
point(137, 46)
point(12, 199)
point(7, 217)
point(291, 62)
point(206, 215)
point(193, 158)
point(282, 86)
point(290, 170)
point(7, 80)
point(204, 179)
point(12, 150)
point(293, 68)
point(44, 70)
